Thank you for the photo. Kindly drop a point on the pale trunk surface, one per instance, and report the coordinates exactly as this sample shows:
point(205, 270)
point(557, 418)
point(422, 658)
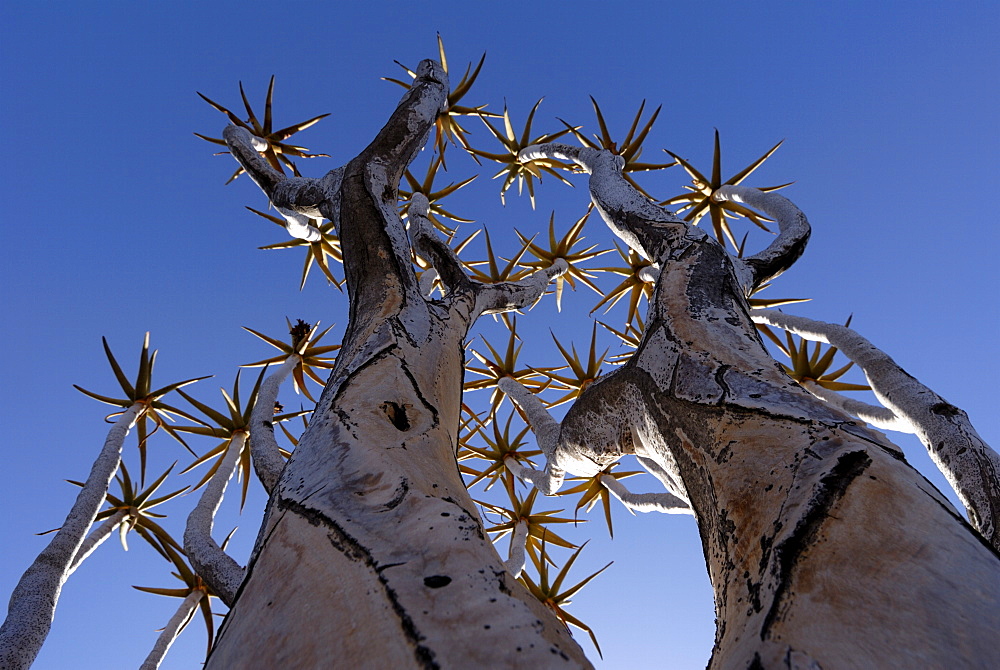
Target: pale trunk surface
point(824, 547)
point(372, 553)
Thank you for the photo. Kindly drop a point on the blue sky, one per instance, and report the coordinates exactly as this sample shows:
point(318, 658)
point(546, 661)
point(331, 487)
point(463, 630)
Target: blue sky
point(117, 222)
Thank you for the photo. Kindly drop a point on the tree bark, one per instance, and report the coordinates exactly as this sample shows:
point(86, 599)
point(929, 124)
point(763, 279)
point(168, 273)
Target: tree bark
point(372, 554)
point(824, 547)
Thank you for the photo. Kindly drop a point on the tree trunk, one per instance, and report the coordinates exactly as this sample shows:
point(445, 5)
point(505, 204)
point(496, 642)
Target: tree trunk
point(824, 547)
point(372, 554)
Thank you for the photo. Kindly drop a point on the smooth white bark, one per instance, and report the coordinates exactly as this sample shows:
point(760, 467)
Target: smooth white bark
point(515, 554)
point(33, 602)
point(215, 566)
point(880, 417)
point(174, 627)
point(967, 462)
point(794, 231)
point(665, 503)
point(97, 538)
point(267, 460)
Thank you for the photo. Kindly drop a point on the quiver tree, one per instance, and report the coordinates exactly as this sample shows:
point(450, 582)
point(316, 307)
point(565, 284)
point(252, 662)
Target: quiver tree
point(370, 514)
point(824, 547)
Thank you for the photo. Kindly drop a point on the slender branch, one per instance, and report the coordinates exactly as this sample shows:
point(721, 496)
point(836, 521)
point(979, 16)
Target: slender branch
point(33, 601)
point(967, 462)
point(173, 628)
point(267, 460)
point(647, 229)
point(244, 147)
point(215, 566)
point(97, 538)
point(793, 227)
point(880, 417)
point(521, 294)
point(669, 481)
point(430, 245)
point(543, 425)
point(515, 554)
point(547, 481)
point(666, 503)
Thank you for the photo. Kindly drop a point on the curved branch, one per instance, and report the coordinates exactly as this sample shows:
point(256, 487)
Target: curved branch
point(880, 417)
point(490, 298)
point(515, 554)
point(33, 601)
point(511, 295)
point(668, 480)
point(967, 462)
point(267, 460)
point(645, 227)
point(429, 244)
point(665, 503)
point(215, 566)
point(547, 481)
point(276, 186)
point(793, 227)
point(545, 428)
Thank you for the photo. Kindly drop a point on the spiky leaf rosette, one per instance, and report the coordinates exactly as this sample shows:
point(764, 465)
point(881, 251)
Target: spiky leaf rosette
point(228, 425)
point(498, 366)
point(638, 284)
point(137, 506)
point(552, 595)
point(813, 366)
point(277, 151)
point(304, 344)
point(513, 143)
point(320, 252)
point(698, 201)
point(566, 248)
point(446, 127)
point(155, 411)
point(495, 451)
point(631, 146)
point(582, 373)
point(591, 490)
point(435, 211)
point(522, 510)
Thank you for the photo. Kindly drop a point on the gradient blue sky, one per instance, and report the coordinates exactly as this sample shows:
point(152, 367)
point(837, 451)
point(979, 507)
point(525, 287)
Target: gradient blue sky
point(117, 222)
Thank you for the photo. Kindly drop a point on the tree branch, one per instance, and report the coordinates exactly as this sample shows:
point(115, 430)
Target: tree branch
point(429, 244)
point(515, 554)
point(173, 628)
point(967, 462)
point(794, 231)
point(267, 460)
point(548, 481)
point(647, 229)
point(666, 503)
point(97, 538)
point(33, 601)
point(880, 417)
point(512, 295)
point(215, 566)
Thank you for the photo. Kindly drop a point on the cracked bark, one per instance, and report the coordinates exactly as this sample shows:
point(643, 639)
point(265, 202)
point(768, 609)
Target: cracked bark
point(371, 553)
point(824, 547)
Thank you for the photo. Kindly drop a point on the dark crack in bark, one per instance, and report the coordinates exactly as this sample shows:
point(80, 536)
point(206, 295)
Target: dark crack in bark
point(343, 542)
point(830, 490)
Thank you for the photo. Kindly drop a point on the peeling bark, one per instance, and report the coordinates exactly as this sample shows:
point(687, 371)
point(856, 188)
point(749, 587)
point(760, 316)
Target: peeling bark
point(967, 462)
point(824, 547)
point(371, 543)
